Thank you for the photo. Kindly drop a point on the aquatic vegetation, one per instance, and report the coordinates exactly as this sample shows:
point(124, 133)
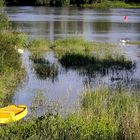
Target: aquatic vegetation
point(77, 61)
point(37, 58)
point(44, 71)
point(43, 68)
point(80, 53)
point(39, 45)
point(133, 42)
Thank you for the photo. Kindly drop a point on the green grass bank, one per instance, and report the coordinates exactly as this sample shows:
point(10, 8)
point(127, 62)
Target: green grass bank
point(103, 115)
point(11, 71)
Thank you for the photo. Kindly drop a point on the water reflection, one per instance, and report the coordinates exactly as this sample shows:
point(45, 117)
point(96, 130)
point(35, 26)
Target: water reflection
point(102, 26)
point(64, 85)
point(43, 68)
point(99, 25)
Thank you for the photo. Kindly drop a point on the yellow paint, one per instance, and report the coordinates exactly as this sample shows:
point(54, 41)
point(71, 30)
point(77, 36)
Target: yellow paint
point(12, 113)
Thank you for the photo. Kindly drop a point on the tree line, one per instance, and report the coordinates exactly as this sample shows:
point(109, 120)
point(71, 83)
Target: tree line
point(61, 2)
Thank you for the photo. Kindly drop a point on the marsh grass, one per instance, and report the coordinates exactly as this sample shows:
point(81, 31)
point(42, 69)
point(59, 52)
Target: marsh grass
point(104, 114)
point(75, 52)
point(44, 71)
point(43, 68)
point(134, 42)
point(38, 58)
point(39, 45)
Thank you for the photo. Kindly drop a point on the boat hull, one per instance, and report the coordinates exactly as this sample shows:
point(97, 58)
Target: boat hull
point(12, 113)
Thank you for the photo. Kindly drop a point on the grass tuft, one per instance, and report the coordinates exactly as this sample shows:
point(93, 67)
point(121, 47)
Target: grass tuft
point(39, 45)
point(80, 53)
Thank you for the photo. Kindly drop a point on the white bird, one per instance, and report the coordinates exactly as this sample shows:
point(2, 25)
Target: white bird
point(123, 41)
point(20, 51)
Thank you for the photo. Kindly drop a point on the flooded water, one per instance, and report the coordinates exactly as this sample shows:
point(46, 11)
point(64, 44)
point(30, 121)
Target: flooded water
point(65, 86)
point(99, 25)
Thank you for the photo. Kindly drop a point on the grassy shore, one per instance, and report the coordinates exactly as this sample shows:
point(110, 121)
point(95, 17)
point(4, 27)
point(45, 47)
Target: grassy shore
point(11, 71)
point(42, 67)
point(103, 115)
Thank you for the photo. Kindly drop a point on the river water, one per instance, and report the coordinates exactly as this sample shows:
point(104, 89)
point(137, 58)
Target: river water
point(63, 89)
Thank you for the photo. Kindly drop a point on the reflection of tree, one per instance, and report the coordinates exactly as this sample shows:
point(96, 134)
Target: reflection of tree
point(44, 71)
point(102, 26)
point(137, 27)
point(52, 26)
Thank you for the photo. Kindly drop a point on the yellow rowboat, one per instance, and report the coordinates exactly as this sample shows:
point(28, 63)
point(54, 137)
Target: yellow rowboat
point(12, 113)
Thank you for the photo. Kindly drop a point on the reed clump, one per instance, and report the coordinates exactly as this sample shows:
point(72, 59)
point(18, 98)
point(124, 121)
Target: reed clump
point(43, 68)
point(77, 53)
point(104, 114)
point(39, 45)
point(133, 42)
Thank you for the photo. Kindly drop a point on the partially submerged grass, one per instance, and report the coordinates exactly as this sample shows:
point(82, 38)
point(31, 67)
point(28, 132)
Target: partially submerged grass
point(44, 71)
point(80, 53)
point(134, 42)
point(76, 52)
point(103, 115)
point(37, 58)
point(39, 45)
point(43, 68)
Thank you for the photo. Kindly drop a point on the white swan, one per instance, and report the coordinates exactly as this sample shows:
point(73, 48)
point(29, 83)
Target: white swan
point(20, 51)
point(123, 41)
